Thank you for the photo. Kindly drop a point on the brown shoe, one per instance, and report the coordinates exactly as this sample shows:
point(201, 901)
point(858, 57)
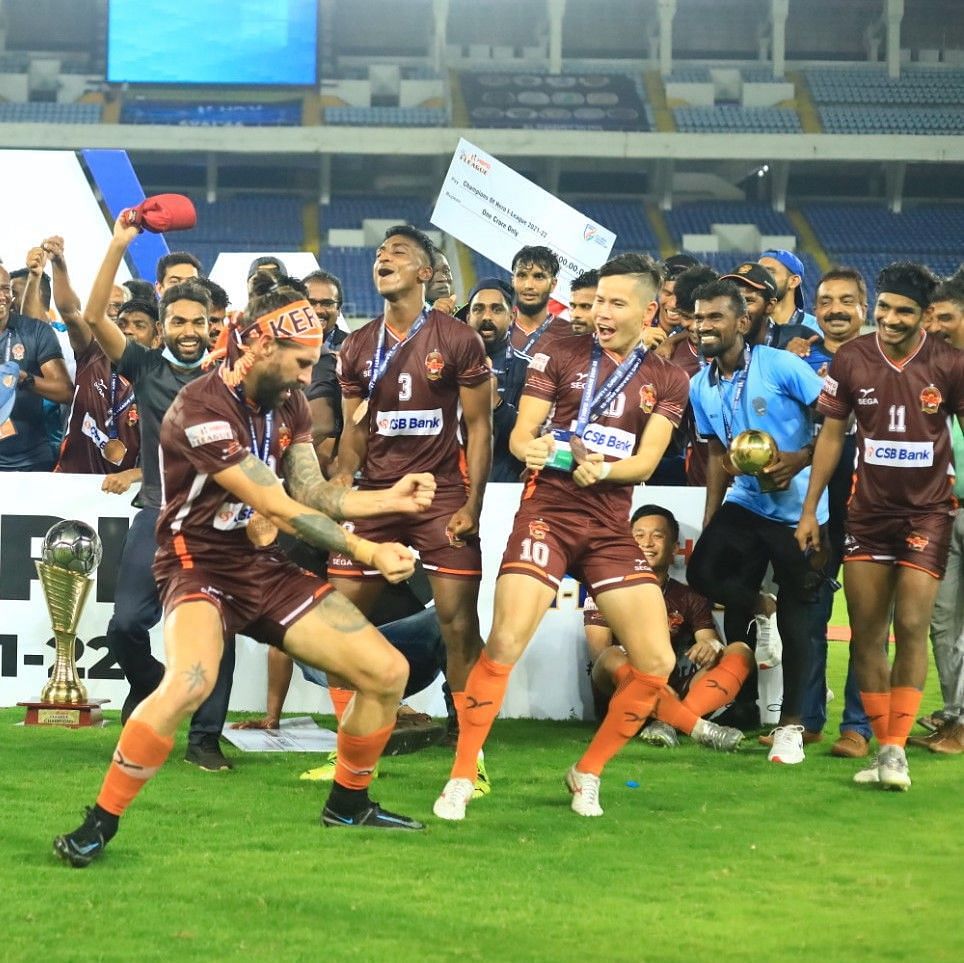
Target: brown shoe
point(408, 718)
point(809, 738)
point(948, 740)
point(850, 745)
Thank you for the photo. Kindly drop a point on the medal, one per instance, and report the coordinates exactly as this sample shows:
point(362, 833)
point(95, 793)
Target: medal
point(114, 451)
point(361, 413)
point(260, 531)
point(579, 451)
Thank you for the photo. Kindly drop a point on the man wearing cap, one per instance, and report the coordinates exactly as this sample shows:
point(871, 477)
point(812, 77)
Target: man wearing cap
point(489, 311)
point(267, 264)
point(788, 272)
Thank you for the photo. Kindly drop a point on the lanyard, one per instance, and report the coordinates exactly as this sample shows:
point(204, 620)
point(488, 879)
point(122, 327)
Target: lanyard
point(115, 410)
point(739, 382)
point(382, 358)
point(795, 318)
point(268, 423)
point(330, 340)
point(772, 329)
point(8, 344)
point(523, 352)
point(592, 406)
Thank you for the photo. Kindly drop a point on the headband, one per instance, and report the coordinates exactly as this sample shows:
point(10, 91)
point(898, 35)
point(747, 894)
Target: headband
point(907, 290)
point(296, 321)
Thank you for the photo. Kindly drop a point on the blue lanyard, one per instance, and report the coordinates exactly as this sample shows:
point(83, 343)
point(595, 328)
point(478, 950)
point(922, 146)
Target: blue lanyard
point(115, 411)
point(329, 341)
point(523, 352)
point(592, 406)
point(266, 446)
point(739, 383)
point(382, 359)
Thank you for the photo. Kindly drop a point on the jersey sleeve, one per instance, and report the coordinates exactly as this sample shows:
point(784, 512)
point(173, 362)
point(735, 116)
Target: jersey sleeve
point(542, 376)
point(674, 393)
point(207, 441)
point(48, 347)
point(349, 367)
point(699, 615)
point(471, 366)
point(300, 419)
point(835, 399)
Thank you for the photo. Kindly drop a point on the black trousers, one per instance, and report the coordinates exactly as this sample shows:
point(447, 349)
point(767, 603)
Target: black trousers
point(728, 564)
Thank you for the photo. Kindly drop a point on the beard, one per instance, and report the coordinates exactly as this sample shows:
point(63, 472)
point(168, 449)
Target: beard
point(270, 391)
point(531, 310)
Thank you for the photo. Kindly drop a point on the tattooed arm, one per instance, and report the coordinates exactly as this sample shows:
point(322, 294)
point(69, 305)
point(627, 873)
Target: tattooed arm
point(252, 482)
point(307, 485)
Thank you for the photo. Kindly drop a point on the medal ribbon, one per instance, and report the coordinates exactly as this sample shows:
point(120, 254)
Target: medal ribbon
point(115, 410)
point(739, 383)
point(382, 358)
point(523, 352)
point(592, 406)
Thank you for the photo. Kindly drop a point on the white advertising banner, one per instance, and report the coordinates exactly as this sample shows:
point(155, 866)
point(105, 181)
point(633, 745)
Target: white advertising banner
point(495, 211)
point(549, 682)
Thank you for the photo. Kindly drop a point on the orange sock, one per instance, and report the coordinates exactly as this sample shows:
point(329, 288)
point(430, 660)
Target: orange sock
point(459, 699)
point(140, 752)
point(358, 756)
point(484, 692)
point(630, 707)
point(340, 699)
point(904, 704)
point(671, 710)
point(877, 707)
point(718, 686)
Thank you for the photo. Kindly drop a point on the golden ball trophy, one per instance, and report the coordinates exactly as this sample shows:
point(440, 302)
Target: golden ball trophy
point(71, 551)
point(753, 450)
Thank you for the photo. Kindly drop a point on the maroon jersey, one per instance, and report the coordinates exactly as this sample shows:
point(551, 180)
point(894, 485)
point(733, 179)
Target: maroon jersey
point(687, 357)
point(557, 328)
point(686, 611)
point(697, 450)
point(413, 416)
point(657, 387)
point(206, 430)
point(86, 442)
point(903, 443)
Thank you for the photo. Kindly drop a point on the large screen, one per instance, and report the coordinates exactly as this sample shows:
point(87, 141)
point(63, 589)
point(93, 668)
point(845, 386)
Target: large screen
point(250, 42)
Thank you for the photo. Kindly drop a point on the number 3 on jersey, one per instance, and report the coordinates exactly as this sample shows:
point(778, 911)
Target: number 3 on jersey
point(404, 386)
point(535, 551)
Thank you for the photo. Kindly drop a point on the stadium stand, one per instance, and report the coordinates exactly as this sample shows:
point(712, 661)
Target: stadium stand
point(212, 114)
point(49, 113)
point(924, 229)
point(353, 265)
point(698, 217)
point(264, 220)
point(387, 116)
point(350, 211)
point(728, 117)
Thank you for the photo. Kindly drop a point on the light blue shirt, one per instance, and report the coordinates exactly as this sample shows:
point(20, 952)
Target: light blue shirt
point(776, 398)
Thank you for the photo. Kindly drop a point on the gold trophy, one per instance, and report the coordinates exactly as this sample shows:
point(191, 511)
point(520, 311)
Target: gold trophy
point(753, 450)
point(71, 551)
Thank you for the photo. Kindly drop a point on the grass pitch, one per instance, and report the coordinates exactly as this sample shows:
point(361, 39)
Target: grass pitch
point(712, 858)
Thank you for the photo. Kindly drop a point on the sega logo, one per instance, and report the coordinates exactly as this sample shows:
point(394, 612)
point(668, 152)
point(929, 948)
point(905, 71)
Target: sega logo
point(910, 454)
point(425, 422)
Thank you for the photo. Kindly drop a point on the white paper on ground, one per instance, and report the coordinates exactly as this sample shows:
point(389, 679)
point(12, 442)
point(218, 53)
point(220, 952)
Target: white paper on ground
point(300, 734)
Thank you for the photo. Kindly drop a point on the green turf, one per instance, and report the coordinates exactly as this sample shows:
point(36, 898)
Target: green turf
point(712, 858)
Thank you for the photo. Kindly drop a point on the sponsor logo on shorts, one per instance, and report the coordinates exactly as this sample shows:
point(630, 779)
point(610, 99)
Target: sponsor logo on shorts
point(539, 361)
point(538, 529)
point(899, 454)
point(647, 398)
point(434, 365)
point(830, 386)
point(865, 396)
point(609, 441)
point(208, 432)
point(850, 544)
point(427, 421)
point(917, 542)
point(930, 399)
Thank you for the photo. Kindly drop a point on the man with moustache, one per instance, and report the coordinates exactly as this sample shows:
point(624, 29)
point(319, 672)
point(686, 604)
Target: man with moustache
point(947, 624)
point(157, 375)
point(901, 385)
point(582, 294)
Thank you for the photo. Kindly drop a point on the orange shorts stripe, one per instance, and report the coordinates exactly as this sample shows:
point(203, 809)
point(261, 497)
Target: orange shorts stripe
point(183, 555)
point(441, 570)
point(194, 597)
point(529, 567)
point(920, 568)
point(347, 572)
point(635, 577)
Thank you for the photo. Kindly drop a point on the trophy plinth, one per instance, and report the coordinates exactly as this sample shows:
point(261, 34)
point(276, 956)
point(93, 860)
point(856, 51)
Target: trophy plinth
point(71, 551)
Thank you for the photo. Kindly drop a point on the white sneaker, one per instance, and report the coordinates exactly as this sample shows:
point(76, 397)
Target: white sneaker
point(455, 797)
point(584, 787)
point(787, 745)
point(870, 772)
point(892, 771)
point(769, 645)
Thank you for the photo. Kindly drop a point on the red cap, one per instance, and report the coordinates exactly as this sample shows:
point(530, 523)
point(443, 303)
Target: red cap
point(163, 212)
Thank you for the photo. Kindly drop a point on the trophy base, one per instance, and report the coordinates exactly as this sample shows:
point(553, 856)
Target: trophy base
point(79, 716)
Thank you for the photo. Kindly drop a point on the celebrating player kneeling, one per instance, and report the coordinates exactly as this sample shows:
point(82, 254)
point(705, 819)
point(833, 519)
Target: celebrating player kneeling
point(613, 408)
point(219, 572)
